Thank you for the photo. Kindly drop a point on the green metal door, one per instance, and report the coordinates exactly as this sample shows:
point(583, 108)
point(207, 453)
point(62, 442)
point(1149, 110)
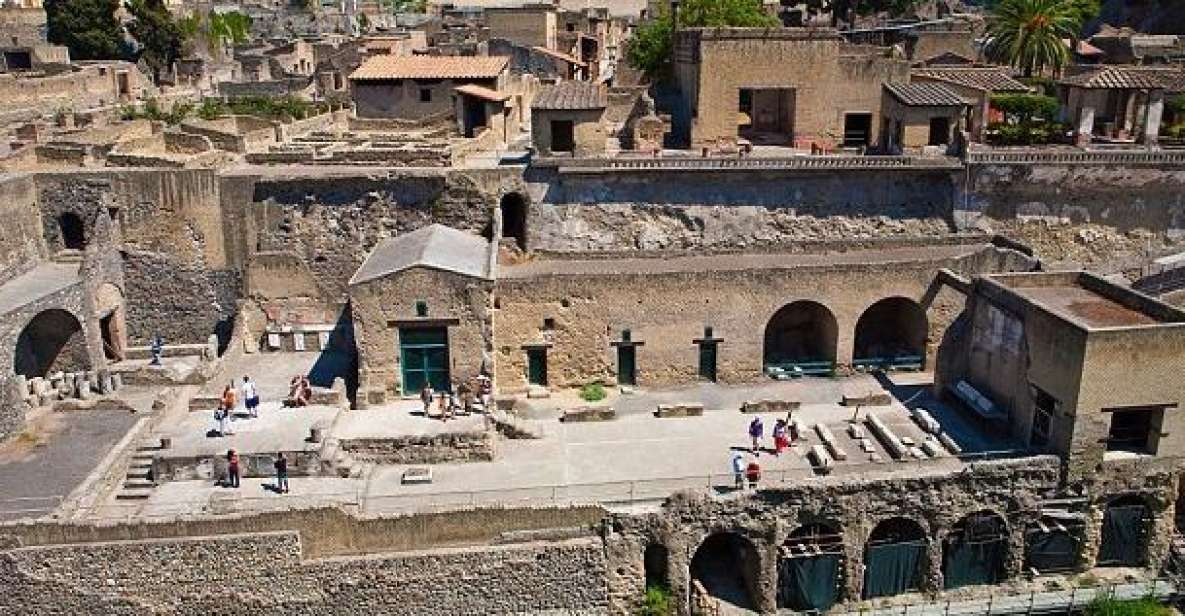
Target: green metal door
point(537, 366)
point(626, 366)
point(423, 354)
point(707, 361)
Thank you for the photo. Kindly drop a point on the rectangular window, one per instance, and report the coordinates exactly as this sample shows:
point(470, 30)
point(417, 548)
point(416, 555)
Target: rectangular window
point(421, 308)
point(1045, 407)
point(1135, 430)
point(425, 95)
point(563, 137)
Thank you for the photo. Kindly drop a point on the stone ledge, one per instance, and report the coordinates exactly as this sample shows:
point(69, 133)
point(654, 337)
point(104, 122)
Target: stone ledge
point(679, 410)
point(589, 413)
point(770, 406)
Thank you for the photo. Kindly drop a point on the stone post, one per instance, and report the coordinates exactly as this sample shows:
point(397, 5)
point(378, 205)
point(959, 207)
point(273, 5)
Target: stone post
point(105, 384)
point(22, 386)
point(1152, 117)
point(212, 347)
point(116, 381)
point(1085, 126)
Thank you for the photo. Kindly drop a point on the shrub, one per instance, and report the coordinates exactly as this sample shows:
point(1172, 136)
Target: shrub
point(1024, 108)
point(1109, 606)
point(592, 392)
point(657, 602)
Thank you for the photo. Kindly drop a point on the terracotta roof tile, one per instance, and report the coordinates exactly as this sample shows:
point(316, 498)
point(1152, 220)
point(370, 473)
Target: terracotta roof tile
point(1127, 78)
point(571, 95)
point(560, 55)
point(430, 67)
point(992, 79)
point(482, 93)
point(925, 94)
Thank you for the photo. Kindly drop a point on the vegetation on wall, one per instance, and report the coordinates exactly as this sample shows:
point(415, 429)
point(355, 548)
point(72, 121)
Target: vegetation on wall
point(282, 108)
point(1108, 606)
point(657, 602)
point(650, 49)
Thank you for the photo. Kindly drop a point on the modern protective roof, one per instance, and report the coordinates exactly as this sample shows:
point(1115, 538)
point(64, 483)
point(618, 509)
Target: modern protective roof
point(571, 95)
point(482, 93)
point(1126, 78)
point(430, 67)
point(925, 94)
point(434, 246)
point(989, 78)
point(559, 55)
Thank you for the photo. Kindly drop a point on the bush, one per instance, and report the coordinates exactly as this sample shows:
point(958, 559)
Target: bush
point(657, 602)
point(592, 392)
point(1023, 108)
point(1037, 133)
point(1108, 606)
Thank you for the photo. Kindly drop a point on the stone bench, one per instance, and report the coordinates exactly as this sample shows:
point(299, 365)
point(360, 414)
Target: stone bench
point(588, 413)
point(870, 399)
point(679, 410)
point(819, 459)
point(770, 406)
point(886, 436)
point(925, 420)
point(830, 443)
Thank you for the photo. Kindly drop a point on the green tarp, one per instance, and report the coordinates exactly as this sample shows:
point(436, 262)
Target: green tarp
point(808, 583)
point(892, 568)
point(967, 563)
point(1123, 536)
point(1048, 552)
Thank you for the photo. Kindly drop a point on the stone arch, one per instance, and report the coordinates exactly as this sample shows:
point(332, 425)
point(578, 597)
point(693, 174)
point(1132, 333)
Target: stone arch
point(1123, 538)
point(52, 340)
point(513, 208)
point(895, 558)
point(892, 331)
point(73, 231)
point(810, 568)
point(727, 566)
point(975, 551)
point(801, 334)
point(1054, 544)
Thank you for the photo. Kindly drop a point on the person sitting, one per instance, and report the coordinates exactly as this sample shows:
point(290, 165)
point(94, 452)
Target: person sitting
point(299, 392)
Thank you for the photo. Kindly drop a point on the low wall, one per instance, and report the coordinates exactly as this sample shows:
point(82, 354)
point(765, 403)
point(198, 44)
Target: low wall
point(434, 449)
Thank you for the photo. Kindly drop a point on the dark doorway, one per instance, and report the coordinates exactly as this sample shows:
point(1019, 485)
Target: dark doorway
point(975, 551)
point(891, 334)
point(707, 360)
point(800, 337)
point(1125, 530)
point(1135, 430)
point(537, 366)
point(857, 129)
point(655, 560)
point(627, 367)
point(1054, 545)
point(894, 558)
point(939, 131)
point(424, 358)
point(73, 234)
point(766, 115)
point(475, 115)
point(51, 341)
point(563, 136)
point(514, 219)
point(810, 565)
point(18, 60)
point(726, 564)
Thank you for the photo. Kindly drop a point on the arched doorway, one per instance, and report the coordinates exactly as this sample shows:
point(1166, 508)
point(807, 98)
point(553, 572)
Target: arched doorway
point(73, 231)
point(1125, 532)
point(891, 334)
point(513, 208)
point(726, 565)
point(894, 558)
point(800, 339)
point(1054, 544)
point(51, 341)
point(974, 551)
point(112, 326)
point(810, 563)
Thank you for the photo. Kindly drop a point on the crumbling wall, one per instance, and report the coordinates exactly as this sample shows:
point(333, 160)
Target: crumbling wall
point(22, 242)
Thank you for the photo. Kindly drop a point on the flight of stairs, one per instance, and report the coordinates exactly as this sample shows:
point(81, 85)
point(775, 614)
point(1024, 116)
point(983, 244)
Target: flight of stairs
point(139, 482)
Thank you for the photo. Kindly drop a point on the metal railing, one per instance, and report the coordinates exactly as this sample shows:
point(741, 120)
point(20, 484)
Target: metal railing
point(1093, 157)
point(724, 163)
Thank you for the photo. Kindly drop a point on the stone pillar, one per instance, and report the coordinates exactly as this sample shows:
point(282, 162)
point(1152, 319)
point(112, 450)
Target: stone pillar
point(1152, 116)
point(1128, 121)
point(1085, 126)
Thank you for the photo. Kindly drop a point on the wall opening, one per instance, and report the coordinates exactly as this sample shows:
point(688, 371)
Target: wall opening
point(810, 566)
point(51, 341)
point(975, 550)
point(563, 136)
point(1054, 544)
point(537, 366)
point(726, 566)
point(800, 339)
point(766, 115)
point(73, 232)
point(1125, 532)
point(655, 561)
point(894, 558)
point(513, 208)
point(423, 354)
point(111, 328)
point(891, 334)
point(627, 365)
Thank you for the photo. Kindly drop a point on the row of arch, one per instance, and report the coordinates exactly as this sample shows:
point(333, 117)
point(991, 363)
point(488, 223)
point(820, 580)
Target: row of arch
point(811, 568)
point(805, 332)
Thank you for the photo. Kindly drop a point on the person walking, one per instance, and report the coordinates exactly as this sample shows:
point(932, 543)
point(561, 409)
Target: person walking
point(756, 432)
point(781, 441)
point(232, 468)
point(250, 396)
point(281, 465)
point(220, 416)
point(228, 400)
point(426, 395)
point(738, 469)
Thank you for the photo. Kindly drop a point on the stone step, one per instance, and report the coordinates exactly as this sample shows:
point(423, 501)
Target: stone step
point(134, 494)
point(145, 474)
point(138, 484)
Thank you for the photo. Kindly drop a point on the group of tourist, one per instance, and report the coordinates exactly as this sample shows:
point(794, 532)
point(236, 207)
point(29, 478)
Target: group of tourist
point(745, 467)
point(234, 471)
point(228, 404)
point(459, 399)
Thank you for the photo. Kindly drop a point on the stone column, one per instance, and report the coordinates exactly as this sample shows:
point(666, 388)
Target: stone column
point(1128, 121)
point(1152, 116)
point(1085, 126)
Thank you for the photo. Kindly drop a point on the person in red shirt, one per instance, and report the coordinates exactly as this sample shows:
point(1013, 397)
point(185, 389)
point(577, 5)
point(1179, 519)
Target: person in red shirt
point(753, 473)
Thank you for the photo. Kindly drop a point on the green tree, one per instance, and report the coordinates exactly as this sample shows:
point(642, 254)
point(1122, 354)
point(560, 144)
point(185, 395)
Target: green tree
point(160, 37)
point(363, 23)
point(88, 27)
point(1030, 34)
point(650, 47)
point(846, 10)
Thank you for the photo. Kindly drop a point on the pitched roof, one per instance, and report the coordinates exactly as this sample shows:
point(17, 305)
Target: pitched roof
point(482, 93)
point(434, 246)
point(925, 94)
point(559, 55)
point(1125, 78)
point(430, 67)
point(571, 95)
point(989, 78)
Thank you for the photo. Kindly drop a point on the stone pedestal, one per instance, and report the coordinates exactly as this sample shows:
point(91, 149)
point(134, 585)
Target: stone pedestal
point(1085, 127)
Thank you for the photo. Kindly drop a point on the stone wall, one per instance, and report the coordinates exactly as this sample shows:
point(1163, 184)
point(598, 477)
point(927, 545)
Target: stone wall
point(424, 449)
point(22, 243)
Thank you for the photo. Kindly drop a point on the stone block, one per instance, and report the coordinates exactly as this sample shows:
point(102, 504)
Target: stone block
point(105, 385)
point(679, 410)
point(416, 475)
point(116, 381)
point(770, 406)
point(212, 346)
point(21, 384)
point(588, 413)
point(868, 399)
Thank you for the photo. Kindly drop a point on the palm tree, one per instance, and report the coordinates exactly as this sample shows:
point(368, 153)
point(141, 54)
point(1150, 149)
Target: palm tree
point(1031, 34)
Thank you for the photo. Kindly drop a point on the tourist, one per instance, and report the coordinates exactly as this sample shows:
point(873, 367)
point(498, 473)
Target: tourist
point(486, 391)
point(753, 473)
point(756, 431)
point(299, 392)
point(738, 469)
point(780, 439)
point(232, 468)
point(220, 417)
point(250, 396)
point(444, 406)
point(426, 395)
point(228, 400)
point(281, 465)
point(306, 392)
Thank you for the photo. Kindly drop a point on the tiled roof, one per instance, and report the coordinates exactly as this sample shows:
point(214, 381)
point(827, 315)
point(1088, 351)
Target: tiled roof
point(925, 94)
point(559, 55)
point(992, 79)
point(435, 246)
point(430, 67)
point(1127, 78)
point(571, 95)
point(482, 93)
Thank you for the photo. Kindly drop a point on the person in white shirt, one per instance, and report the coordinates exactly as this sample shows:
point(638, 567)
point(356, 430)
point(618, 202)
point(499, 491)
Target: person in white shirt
point(250, 396)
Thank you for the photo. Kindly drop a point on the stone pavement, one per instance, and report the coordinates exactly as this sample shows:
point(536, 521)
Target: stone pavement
point(276, 429)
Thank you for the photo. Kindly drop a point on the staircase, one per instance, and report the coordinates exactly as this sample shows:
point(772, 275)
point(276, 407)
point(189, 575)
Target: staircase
point(139, 482)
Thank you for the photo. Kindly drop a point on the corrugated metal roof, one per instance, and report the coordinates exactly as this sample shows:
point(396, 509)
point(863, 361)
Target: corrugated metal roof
point(991, 79)
point(571, 95)
point(435, 246)
point(482, 93)
point(1125, 78)
point(430, 67)
point(925, 94)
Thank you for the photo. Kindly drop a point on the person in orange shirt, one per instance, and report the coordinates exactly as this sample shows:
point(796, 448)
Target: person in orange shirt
point(228, 400)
